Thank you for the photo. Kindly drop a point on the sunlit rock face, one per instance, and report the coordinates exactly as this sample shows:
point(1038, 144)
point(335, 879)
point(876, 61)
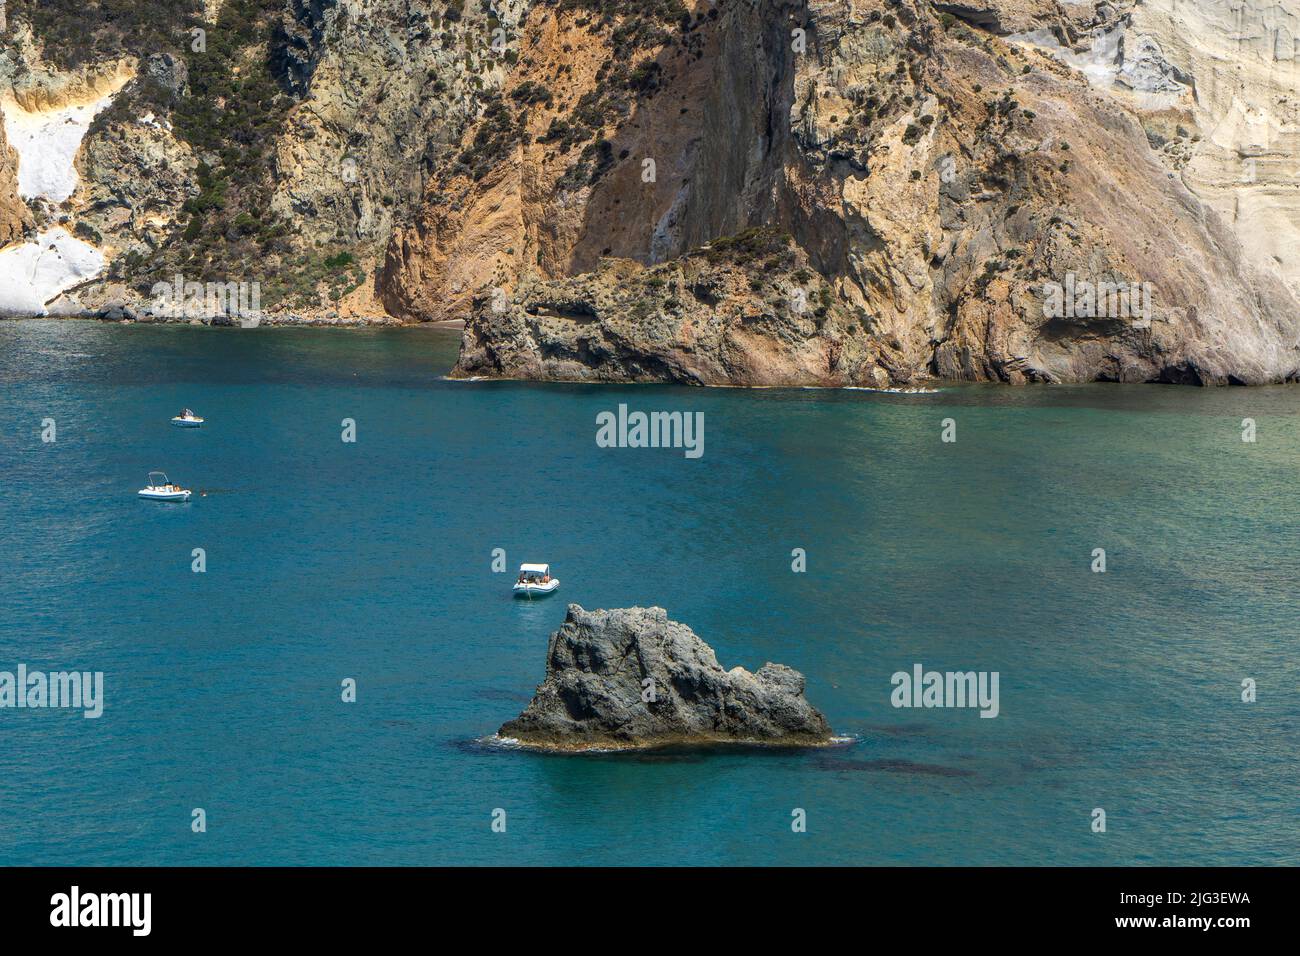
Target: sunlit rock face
point(35, 272)
point(930, 175)
point(47, 142)
point(14, 216)
point(1241, 57)
point(46, 115)
point(1215, 82)
point(944, 180)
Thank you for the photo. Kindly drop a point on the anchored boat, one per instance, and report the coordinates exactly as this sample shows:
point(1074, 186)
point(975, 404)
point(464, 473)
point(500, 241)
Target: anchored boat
point(535, 581)
point(160, 489)
point(187, 419)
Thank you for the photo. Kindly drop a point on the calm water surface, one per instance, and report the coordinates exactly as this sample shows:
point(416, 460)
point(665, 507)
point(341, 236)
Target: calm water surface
point(372, 561)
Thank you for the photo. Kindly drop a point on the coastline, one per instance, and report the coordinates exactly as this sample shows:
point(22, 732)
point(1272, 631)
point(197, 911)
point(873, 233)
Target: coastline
point(931, 386)
point(265, 321)
point(928, 385)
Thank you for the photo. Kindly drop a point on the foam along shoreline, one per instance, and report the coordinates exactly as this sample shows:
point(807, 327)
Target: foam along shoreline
point(34, 273)
point(671, 744)
point(929, 389)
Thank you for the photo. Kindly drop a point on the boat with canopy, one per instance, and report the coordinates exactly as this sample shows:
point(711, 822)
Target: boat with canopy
point(160, 488)
point(535, 581)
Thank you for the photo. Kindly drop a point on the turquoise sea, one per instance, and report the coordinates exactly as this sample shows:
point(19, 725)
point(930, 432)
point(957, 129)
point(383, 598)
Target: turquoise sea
point(372, 560)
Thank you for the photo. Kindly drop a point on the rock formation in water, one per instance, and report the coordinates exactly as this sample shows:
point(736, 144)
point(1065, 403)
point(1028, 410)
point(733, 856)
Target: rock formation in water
point(631, 678)
point(747, 309)
point(830, 192)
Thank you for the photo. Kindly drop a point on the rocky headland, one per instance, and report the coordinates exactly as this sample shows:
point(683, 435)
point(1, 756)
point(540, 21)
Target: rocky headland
point(739, 192)
point(629, 678)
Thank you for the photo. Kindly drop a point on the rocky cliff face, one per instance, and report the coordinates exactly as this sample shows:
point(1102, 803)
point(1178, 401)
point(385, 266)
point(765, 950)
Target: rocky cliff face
point(384, 91)
point(744, 309)
point(631, 678)
point(263, 141)
point(949, 184)
point(866, 192)
point(1225, 71)
point(14, 217)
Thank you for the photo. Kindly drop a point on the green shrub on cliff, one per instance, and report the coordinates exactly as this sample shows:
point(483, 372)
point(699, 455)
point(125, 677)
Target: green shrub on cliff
point(750, 246)
point(77, 32)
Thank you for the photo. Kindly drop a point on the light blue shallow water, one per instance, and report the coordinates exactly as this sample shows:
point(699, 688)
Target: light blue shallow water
point(372, 560)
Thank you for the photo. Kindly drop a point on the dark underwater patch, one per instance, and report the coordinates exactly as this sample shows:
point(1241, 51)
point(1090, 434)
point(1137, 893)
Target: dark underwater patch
point(892, 765)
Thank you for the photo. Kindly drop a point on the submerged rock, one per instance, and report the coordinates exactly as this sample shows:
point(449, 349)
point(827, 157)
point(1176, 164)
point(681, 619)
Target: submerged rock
point(630, 678)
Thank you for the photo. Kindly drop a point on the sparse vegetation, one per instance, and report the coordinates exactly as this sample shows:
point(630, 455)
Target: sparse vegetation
point(77, 32)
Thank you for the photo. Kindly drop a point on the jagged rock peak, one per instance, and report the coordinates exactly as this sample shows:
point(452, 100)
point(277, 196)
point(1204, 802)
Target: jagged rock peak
point(630, 678)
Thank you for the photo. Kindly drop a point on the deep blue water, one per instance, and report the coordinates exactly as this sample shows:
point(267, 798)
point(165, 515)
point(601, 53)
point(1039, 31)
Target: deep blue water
point(372, 560)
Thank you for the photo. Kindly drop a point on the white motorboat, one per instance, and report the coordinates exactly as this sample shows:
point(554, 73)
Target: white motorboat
point(160, 489)
point(535, 581)
point(187, 419)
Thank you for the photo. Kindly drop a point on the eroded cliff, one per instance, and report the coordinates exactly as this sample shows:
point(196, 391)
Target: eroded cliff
point(866, 192)
point(940, 171)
